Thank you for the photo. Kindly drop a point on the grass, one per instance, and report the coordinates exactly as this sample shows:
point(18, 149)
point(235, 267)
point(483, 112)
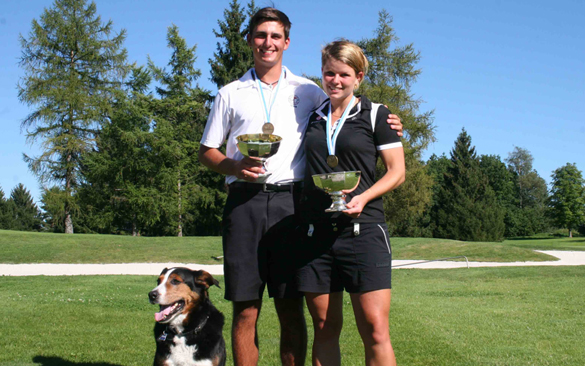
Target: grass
point(478, 316)
point(29, 247)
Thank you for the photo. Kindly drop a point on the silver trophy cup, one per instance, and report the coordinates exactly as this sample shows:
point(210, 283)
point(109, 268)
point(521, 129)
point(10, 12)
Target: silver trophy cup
point(259, 145)
point(334, 184)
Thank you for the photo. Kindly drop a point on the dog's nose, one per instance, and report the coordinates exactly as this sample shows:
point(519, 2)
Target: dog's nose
point(152, 295)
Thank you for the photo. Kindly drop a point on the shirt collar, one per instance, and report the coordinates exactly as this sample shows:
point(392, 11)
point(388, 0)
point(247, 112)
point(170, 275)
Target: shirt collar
point(249, 81)
point(364, 104)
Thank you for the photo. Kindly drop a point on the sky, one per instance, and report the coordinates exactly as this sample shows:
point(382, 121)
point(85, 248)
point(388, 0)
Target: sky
point(511, 73)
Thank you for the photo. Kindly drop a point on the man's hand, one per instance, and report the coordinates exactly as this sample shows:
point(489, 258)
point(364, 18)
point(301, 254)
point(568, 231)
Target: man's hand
point(248, 169)
point(395, 124)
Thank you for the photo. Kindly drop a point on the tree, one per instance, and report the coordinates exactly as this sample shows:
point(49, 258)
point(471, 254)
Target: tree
point(73, 69)
point(6, 212)
point(26, 215)
point(391, 74)
point(193, 193)
point(567, 200)
point(234, 57)
point(467, 207)
point(527, 216)
point(120, 190)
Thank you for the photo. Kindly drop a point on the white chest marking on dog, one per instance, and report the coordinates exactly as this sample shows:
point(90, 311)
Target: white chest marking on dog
point(182, 354)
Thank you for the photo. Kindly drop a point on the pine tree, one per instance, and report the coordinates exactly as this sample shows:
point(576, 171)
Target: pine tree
point(567, 200)
point(120, 191)
point(389, 80)
point(180, 116)
point(6, 212)
point(467, 207)
point(26, 214)
point(73, 69)
point(234, 57)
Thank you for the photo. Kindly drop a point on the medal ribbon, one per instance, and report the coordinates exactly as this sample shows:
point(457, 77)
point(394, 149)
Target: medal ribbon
point(330, 142)
point(266, 111)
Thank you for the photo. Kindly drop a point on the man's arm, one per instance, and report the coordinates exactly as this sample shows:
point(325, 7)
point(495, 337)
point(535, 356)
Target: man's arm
point(246, 169)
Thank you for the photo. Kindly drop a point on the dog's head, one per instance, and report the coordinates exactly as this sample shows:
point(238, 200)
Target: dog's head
point(179, 291)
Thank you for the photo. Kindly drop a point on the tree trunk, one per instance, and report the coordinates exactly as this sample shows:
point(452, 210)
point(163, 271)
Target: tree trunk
point(180, 227)
point(570, 233)
point(68, 220)
point(68, 224)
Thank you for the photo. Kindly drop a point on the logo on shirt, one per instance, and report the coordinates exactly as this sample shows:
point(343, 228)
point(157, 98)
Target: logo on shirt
point(294, 100)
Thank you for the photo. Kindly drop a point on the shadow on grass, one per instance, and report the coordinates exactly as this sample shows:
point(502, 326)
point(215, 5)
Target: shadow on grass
point(57, 361)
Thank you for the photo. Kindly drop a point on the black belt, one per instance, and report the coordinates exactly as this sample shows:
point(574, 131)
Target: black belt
point(266, 187)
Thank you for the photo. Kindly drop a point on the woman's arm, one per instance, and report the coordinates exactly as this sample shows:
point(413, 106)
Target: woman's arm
point(393, 160)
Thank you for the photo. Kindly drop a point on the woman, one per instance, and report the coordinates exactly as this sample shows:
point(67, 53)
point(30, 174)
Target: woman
point(348, 250)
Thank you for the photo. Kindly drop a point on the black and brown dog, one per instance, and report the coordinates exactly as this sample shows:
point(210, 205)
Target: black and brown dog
point(188, 330)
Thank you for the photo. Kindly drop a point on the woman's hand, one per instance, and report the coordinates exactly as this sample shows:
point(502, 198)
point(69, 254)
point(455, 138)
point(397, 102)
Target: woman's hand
point(356, 206)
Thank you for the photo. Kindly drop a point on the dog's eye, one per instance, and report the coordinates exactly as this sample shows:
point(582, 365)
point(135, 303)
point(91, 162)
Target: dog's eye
point(175, 282)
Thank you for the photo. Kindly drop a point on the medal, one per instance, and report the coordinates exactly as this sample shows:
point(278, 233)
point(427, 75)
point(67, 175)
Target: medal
point(268, 127)
point(333, 160)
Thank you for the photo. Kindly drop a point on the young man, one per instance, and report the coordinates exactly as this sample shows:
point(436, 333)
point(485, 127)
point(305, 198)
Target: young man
point(259, 211)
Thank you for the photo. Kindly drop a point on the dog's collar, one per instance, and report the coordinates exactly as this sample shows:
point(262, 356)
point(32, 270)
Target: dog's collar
point(168, 334)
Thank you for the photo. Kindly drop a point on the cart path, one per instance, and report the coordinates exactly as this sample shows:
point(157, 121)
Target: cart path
point(566, 258)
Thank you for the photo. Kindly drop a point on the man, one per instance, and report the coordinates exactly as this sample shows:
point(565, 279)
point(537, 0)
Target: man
point(260, 210)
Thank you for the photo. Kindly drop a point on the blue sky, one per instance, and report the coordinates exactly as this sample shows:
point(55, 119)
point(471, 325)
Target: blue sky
point(512, 73)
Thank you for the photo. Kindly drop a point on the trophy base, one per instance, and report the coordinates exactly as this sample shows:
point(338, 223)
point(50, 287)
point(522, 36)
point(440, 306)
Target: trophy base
point(264, 175)
point(338, 202)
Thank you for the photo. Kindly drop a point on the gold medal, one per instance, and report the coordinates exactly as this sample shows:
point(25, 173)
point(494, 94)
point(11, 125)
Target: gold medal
point(268, 128)
point(332, 161)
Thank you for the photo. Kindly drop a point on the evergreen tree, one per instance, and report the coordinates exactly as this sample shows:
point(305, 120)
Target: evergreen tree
point(120, 193)
point(234, 57)
point(194, 195)
point(567, 200)
point(6, 212)
point(53, 205)
point(389, 80)
point(26, 214)
point(467, 207)
point(73, 69)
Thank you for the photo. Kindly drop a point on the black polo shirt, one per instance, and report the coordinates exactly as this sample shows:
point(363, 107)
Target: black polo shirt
point(357, 149)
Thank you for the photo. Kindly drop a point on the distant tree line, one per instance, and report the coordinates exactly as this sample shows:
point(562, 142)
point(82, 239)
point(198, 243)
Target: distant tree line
point(120, 141)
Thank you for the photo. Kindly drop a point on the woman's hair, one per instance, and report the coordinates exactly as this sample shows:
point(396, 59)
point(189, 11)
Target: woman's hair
point(270, 15)
point(347, 52)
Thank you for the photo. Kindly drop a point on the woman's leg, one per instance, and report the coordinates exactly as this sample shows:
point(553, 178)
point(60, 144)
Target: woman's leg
point(327, 313)
point(371, 311)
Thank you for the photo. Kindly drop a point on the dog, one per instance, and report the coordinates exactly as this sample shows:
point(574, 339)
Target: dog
point(188, 328)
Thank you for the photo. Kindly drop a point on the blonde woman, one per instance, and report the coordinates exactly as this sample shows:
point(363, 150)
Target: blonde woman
point(348, 250)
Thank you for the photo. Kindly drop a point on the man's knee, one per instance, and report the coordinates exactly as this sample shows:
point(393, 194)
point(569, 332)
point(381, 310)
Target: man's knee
point(246, 312)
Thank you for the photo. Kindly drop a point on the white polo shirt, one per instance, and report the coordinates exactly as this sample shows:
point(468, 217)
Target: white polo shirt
point(238, 110)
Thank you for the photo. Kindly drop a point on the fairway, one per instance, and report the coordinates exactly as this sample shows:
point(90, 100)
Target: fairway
point(482, 316)
point(31, 247)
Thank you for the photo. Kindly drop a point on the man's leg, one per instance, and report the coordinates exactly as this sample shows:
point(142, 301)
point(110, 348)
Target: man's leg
point(244, 332)
point(293, 331)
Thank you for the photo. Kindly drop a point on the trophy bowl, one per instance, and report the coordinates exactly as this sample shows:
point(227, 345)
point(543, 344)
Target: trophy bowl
point(259, 145)
point(334, 184)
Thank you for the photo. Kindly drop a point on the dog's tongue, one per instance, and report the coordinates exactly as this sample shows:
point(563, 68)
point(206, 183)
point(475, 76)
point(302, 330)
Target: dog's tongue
point(161, 315)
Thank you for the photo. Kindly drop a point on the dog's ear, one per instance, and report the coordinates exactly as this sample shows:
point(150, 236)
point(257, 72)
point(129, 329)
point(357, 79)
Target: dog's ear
point(205, 279)
point(163, 271)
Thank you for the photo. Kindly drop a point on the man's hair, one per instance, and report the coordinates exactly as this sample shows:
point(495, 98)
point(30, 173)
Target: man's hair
point(269, 15)
point(347, 52)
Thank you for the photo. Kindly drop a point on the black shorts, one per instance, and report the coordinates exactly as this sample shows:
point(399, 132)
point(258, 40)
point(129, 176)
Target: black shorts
point(258, 238)
point(334, 259)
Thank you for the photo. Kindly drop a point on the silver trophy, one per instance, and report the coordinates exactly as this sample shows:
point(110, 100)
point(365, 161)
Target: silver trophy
point(334, 184)
point(259, 145)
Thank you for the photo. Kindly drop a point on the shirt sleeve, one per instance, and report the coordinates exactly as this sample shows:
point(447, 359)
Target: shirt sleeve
point(384, 136)
point(218, 124)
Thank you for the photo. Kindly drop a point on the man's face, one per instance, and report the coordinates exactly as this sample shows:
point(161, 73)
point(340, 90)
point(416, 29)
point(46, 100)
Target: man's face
point(268, 43)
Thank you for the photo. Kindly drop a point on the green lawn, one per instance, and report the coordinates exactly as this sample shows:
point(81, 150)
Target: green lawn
point(479, 316)
point(27, 247)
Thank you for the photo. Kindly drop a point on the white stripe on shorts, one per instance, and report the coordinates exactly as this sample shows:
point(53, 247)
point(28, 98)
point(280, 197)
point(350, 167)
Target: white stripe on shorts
point(385, 238)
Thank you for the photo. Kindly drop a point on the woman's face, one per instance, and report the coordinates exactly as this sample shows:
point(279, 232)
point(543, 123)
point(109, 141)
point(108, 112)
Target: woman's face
point(339, 80)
